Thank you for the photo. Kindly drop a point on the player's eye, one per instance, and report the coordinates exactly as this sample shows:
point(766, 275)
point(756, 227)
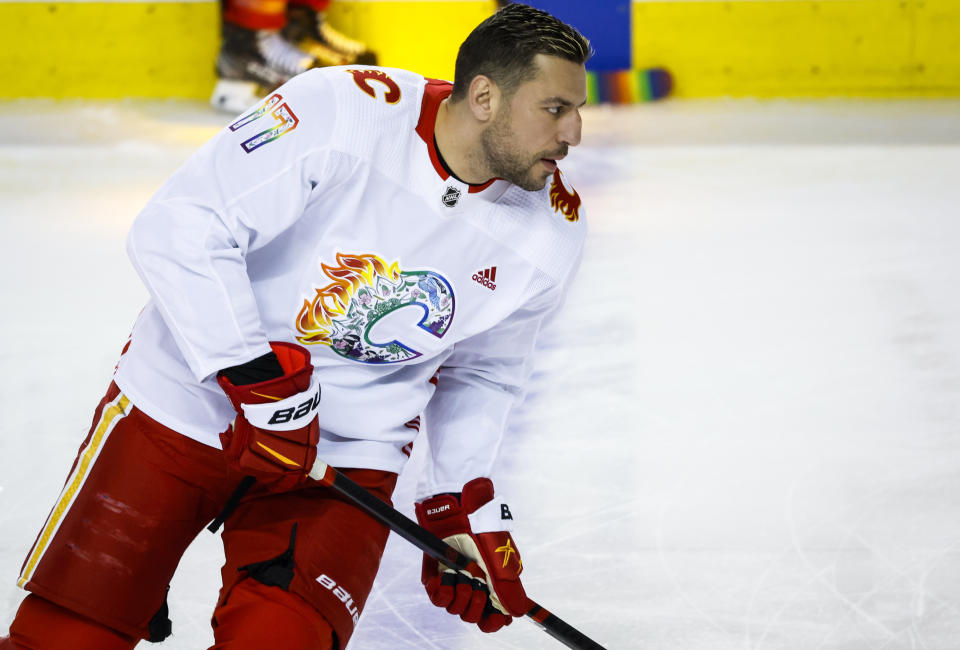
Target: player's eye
point(555, 110)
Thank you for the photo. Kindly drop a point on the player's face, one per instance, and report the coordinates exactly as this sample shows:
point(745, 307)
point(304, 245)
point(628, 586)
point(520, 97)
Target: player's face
point(535, 127)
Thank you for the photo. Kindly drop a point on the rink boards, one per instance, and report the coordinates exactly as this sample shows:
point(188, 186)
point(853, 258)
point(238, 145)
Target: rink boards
point(758, 48)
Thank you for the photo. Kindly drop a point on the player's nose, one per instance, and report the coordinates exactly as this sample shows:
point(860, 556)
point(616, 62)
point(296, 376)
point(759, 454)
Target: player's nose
point(570, 129)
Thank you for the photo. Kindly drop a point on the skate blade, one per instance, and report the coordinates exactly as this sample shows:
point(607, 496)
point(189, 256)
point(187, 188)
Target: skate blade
point(232, 96)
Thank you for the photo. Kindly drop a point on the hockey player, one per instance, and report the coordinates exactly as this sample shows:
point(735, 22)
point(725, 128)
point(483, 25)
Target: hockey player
point(267, 42)
point(364, 247)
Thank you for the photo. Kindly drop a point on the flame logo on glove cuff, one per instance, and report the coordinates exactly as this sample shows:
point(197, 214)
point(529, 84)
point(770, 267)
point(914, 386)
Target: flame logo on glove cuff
point(508, 550)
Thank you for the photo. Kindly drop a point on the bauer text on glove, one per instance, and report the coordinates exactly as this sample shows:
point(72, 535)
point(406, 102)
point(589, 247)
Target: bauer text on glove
point(478, 526)
point(275, 433)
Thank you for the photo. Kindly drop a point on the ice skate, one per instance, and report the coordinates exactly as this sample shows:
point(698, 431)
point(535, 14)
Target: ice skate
point(253, 62)
point(314, 35)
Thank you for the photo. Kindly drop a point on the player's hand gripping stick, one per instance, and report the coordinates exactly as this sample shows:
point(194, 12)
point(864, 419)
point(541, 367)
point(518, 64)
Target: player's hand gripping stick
point(275, 434)
point(439, 550)
point(479, 527)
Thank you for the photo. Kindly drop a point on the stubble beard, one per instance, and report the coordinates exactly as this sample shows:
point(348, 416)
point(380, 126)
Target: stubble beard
point(507, 164)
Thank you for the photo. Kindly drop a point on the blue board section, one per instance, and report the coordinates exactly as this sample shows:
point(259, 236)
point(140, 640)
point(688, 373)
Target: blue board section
point(605, 22)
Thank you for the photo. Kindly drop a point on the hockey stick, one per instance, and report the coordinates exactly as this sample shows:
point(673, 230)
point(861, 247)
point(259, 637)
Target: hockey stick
point(439, 550)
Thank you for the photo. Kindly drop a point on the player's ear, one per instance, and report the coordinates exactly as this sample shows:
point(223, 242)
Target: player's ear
point(484, 97)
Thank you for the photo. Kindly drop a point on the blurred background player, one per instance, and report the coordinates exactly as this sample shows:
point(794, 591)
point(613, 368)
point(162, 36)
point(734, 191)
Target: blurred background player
point(267, 42)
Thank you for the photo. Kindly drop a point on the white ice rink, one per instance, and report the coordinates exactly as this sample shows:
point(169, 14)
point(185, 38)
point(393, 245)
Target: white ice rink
point(745, 433)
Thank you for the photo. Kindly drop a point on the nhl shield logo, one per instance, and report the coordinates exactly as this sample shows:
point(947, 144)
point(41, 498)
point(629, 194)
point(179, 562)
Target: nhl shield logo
point(451, 196)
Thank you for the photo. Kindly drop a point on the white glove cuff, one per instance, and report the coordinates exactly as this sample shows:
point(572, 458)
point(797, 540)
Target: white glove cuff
point(491, 517)
point(288, 414)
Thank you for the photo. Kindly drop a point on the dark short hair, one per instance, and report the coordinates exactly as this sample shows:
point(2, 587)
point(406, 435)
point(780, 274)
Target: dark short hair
point(504, 45)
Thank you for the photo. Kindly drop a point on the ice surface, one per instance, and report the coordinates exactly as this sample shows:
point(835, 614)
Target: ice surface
point(745, 430)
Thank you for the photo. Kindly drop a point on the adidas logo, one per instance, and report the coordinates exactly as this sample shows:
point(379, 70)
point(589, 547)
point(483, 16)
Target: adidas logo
point(487, 277)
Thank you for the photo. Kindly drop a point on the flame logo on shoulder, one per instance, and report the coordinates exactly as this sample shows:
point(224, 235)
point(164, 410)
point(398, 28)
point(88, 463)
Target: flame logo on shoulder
point(563, 200)
point(364, 77)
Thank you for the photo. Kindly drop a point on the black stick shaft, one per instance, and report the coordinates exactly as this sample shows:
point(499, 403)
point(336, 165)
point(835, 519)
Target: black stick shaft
point(440, 550)
point(245, 483)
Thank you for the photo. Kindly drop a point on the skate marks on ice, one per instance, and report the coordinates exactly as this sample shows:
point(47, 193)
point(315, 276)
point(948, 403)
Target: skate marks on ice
point(846, 579)
point(794, 335)
point(742, 432)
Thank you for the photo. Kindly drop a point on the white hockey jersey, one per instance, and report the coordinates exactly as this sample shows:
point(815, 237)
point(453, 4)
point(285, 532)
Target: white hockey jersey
point(323, 217)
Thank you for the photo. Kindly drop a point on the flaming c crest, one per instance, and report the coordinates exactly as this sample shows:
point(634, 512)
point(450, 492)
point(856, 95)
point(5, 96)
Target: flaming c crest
point(364, 77)
point(562, 200)
point(353, 273)
point(365, 289)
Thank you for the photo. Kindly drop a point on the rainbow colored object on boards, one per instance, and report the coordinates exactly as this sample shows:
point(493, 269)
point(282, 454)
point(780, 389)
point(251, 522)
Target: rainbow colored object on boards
point(628, 86)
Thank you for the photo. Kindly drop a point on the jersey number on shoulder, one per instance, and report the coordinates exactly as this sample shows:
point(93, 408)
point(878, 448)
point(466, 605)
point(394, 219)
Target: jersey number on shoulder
point(286, 122)
point(363, 78)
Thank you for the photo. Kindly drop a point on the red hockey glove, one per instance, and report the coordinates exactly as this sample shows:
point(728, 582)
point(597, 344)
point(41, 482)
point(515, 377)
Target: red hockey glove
point(275, 433)
point(477, 526)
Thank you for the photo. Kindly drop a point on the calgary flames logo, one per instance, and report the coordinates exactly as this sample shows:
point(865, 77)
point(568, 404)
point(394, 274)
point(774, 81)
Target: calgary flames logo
point(364, 77)
point(563, 200)
point(363, 290)
point(353, 273)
